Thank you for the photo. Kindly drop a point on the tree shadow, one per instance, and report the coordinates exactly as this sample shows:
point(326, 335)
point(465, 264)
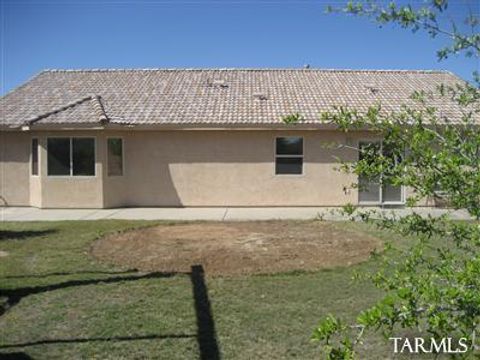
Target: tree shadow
point(21, 235)
point(206, 334)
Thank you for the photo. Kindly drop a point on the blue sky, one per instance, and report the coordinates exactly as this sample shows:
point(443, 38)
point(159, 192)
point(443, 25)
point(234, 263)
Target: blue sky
point(51, 34)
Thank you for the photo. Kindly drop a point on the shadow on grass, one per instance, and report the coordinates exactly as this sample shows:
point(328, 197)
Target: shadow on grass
point(13, 296)
point(40, 276)
point(206, 335)
point(87, 340)
point(21, 235)
point(15, 356)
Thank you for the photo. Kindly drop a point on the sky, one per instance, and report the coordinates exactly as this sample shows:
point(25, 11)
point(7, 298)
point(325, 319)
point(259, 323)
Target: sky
point(74, 34)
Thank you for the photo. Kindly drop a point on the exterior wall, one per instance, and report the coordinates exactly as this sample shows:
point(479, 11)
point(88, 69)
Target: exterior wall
point(116, 188)
point(14, 169)
point(70, 191)
point(227, 168)
point(35, 191)
point(19, 188)
point(422, 202)
point(184, 168)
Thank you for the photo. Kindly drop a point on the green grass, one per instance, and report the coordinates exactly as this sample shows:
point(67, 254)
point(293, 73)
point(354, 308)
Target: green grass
point(65, 308)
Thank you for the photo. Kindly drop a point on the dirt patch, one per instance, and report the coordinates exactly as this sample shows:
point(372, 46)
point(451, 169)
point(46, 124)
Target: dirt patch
point(231, 248)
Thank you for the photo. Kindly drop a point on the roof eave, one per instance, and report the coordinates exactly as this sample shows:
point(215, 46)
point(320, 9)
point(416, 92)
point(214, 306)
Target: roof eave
point(145, 127)
point(220, 126)
point(56, 126)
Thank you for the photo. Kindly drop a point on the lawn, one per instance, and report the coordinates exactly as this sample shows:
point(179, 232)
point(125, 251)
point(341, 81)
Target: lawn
point(61, 302)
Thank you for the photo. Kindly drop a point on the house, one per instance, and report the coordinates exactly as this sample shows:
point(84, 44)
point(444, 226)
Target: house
point(167, 137)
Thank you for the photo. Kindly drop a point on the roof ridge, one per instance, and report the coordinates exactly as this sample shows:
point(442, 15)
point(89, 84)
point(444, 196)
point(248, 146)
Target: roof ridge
point(15, 89)
point(98, 108)
point(429, 71)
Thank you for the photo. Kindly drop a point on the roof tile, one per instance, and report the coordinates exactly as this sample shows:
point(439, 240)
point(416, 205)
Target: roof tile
point(203, 97)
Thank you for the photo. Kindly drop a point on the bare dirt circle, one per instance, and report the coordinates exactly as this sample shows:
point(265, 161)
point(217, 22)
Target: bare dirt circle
point(233, 248)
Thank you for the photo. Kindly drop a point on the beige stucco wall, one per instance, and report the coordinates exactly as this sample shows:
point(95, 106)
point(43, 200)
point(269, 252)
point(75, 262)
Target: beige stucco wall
point(185, 168)
point(19, 188)
point(228, 168)
point(70, 191)
point(35, 191)
point(14, 169)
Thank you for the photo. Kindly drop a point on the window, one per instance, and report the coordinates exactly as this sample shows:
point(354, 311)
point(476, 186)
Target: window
point(34, 156)
point(83, 156)
point(375, 190)
point(390, 193)
point(115, 156)
point(71, 156)
point(289, 155)
point(58, 156)
point(369, 187)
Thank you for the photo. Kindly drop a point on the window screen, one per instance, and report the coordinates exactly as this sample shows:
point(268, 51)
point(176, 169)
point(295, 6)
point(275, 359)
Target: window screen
point(83, 156)
point(289, 146)
point(115, 157)
point(289, 155)
point(288, 165)
point(34, 156)
point(58, 156)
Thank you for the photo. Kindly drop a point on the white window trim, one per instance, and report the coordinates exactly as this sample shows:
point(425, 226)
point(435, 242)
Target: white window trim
point(31, 157)
point(123, 155)
point(288, 156)
point(380, 188)
point(71, 176)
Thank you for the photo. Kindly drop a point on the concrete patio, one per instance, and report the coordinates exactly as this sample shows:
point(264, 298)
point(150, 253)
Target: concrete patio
point(211, 213)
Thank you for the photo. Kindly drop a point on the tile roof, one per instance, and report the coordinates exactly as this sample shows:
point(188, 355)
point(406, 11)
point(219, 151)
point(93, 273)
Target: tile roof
point(210, 97)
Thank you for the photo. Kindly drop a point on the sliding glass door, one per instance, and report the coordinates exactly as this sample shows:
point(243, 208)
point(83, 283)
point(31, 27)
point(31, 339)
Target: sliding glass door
point(371, 191)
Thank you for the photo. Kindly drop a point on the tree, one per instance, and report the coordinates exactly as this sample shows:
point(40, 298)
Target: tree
point(433, 286)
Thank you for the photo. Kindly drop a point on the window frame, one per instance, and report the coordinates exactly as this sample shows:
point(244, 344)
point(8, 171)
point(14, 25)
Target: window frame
point(380, 191)
point(31, 157)
point(123, 155)
point(275, 156)
point(70, 138)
